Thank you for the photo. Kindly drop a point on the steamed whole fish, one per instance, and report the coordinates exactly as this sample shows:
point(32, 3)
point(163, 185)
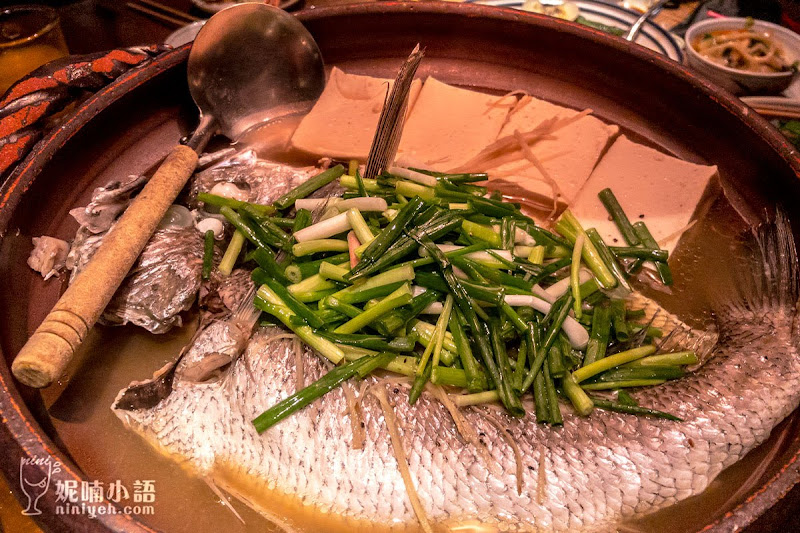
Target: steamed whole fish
point(166, 278)
point(259, 180)
point(598, 470)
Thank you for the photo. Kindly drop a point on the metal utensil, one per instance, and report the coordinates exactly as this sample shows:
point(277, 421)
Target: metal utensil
point(637, 26)
point(390, 124)
point(249, 64)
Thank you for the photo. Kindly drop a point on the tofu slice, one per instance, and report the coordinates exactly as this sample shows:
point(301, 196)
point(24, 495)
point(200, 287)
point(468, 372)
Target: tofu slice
point(568, 155)
point(659, 189)
point(343, 121)
point(449, 125)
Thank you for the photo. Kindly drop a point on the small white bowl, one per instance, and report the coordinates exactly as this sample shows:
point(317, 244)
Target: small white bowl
point(739, 81)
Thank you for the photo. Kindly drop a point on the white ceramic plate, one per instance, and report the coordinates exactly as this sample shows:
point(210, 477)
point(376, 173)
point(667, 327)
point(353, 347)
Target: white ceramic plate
point(652, 35)
point(213, 7)
point(184, 34)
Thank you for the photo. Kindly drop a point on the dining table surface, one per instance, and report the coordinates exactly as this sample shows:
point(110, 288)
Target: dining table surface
point(98, 25)
point(95, 25)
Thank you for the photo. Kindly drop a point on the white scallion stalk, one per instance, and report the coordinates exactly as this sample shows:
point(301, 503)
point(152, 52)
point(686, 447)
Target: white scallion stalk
point(464, 400)
point(459, 207)
point(576, 333)
point(371, 204)
point(323, 230)
point(536, 255)
point(315, 203)
point(441, 329)
point(543, 294)
point(319, 245)
point(231, 253)
point(416, 290)
point(443, 247)
point(403, 273)
point(360, 203)
point(557, 289)
point(522, 237)
point(434, 308)
point(413, 175)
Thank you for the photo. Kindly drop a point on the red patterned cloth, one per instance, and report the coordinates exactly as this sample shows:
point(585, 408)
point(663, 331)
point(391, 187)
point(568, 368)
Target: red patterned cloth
point(27, 110)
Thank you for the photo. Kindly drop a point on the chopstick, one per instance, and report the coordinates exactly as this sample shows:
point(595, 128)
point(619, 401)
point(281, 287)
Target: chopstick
point(776, 112)
point(162, 12)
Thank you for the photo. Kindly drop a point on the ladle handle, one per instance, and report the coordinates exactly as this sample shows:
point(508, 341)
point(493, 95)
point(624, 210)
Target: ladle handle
point(52, 346)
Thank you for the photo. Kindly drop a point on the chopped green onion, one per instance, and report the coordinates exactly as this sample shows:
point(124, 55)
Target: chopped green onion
point(574, 279)
point(612, 361)
point(319, 388)
point(231, 253)
point(569, 226)
point(359, 226)
point(309, 186)
point(465, 400)
point(481, 232)
point(334, 272)
point(401, 296)
point(318, 246)
point(618, 216)
point(213, 199)
point(675, 358)
point(647, 239)
point(580, 400)
point(208, 254)
point(633, 410)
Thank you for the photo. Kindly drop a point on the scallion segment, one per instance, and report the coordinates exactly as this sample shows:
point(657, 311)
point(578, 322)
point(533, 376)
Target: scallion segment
point(308, 187)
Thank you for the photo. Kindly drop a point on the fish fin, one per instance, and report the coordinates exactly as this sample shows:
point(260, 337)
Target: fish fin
point(779, 263)
point(246, 314)
point(677, 334)
point(147, 394)
point(769, 279)
point(225, 503)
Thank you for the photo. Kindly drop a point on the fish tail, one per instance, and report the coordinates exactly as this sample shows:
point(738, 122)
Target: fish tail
point(768, 284)
point(778, 274)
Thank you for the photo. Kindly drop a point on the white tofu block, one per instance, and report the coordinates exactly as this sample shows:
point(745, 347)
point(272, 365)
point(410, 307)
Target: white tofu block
point(568, 155)
point(653, 187)
point(448, 125)
point(342, 123)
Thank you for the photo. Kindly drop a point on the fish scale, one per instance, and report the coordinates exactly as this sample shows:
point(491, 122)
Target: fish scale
point(599, 470)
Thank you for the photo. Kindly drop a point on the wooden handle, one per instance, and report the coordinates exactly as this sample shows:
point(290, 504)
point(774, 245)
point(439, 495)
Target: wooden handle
point(51, 347)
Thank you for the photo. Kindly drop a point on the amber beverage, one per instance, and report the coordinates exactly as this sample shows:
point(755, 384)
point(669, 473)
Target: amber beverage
point(30, 36)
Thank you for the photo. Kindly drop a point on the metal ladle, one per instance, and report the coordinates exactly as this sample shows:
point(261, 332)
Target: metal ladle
point(637, 26)
point(249, 64)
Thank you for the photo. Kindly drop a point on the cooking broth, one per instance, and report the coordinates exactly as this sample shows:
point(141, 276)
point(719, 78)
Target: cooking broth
point(106, 451)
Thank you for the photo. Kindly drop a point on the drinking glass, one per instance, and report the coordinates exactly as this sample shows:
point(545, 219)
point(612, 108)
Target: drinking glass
point(30, 36)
